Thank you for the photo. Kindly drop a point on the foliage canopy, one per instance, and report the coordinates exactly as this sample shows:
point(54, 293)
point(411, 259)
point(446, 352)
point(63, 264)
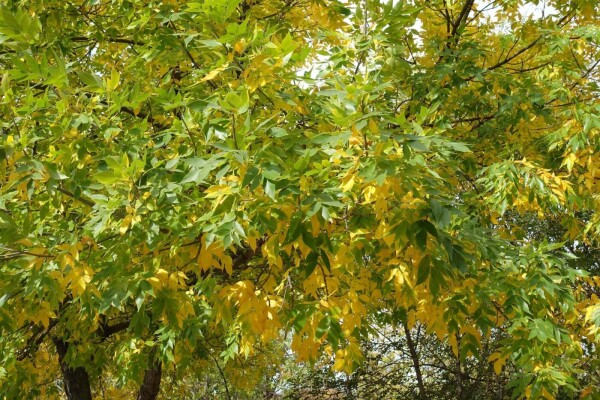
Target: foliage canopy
point(186, 182)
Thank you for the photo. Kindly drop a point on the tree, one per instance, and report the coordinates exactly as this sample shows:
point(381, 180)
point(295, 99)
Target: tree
point(184, 183)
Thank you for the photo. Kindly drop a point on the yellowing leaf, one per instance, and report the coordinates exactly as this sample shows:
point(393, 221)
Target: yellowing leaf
point(214, 73)
point(205, 259)
point(240, 46)
point(162, 276)
point(217, 190)
point(251, 239)
point(154, 282)
point(78, 285)
point(339, 361)
point(113, 82)
point(125, 224)
point(373, 127)
point(348, 183)
point(228, 264)
point(498, 361)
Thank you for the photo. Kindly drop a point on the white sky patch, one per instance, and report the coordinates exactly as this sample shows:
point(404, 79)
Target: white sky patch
point(488, 11)
point(542, 10)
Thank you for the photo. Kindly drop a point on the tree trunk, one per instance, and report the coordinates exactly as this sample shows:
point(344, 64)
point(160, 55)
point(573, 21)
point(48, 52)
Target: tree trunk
point(459, 382)
point(415, 360)
point(76, 381)
point(151, 385)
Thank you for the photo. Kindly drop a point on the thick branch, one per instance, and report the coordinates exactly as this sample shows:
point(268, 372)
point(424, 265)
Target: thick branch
point(462, 17)
point(106, 330)
point(151, 384)
point(76, 381)
point(517, 54)
point(415, 360)
point(35, 340)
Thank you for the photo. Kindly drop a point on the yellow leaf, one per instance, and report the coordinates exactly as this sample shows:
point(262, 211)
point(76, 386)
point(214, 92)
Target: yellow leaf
point(499, 362)
point(348, 183)
point(44, 314)
point(205, 258)
point(586, 392)
point(154, 282)
point(163, 276)
point(214, 73)
point(498, 365)
point(315, 225)
point(252, 238)
point(74, 252)
point(373, 127)
point(369, 194)
point(67, 260)
point(228, 263)
point(27, 242)
point(125, 224)
point(569, 161)
point(173, 281)
point(113, 82)
point(217, 190)
point(78, 285)
point(339, 361)
point(240, 46)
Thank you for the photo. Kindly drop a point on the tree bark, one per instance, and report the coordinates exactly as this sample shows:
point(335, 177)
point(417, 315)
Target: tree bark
point(415, 360)
point(459, 382)
point(76, 381)
point(151, 385)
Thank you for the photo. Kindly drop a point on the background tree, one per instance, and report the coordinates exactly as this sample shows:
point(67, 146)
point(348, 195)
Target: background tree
point(184, 183)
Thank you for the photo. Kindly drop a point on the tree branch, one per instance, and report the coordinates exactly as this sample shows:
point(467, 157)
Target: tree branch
point(110, 40)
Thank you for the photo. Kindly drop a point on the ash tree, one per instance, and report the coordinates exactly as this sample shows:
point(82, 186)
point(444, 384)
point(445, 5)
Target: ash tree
point(185, 183)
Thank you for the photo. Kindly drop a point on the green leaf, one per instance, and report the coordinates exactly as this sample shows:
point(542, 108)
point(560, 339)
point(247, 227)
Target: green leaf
point(107, 177)
point(423, 270)
point(295, 228)
point(92, 81)
point(309, 239)
point(323, 327)
point(270, 189)
point(310, 263)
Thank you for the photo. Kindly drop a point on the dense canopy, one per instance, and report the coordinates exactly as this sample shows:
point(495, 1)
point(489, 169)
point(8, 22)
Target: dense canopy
point(191, 184)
